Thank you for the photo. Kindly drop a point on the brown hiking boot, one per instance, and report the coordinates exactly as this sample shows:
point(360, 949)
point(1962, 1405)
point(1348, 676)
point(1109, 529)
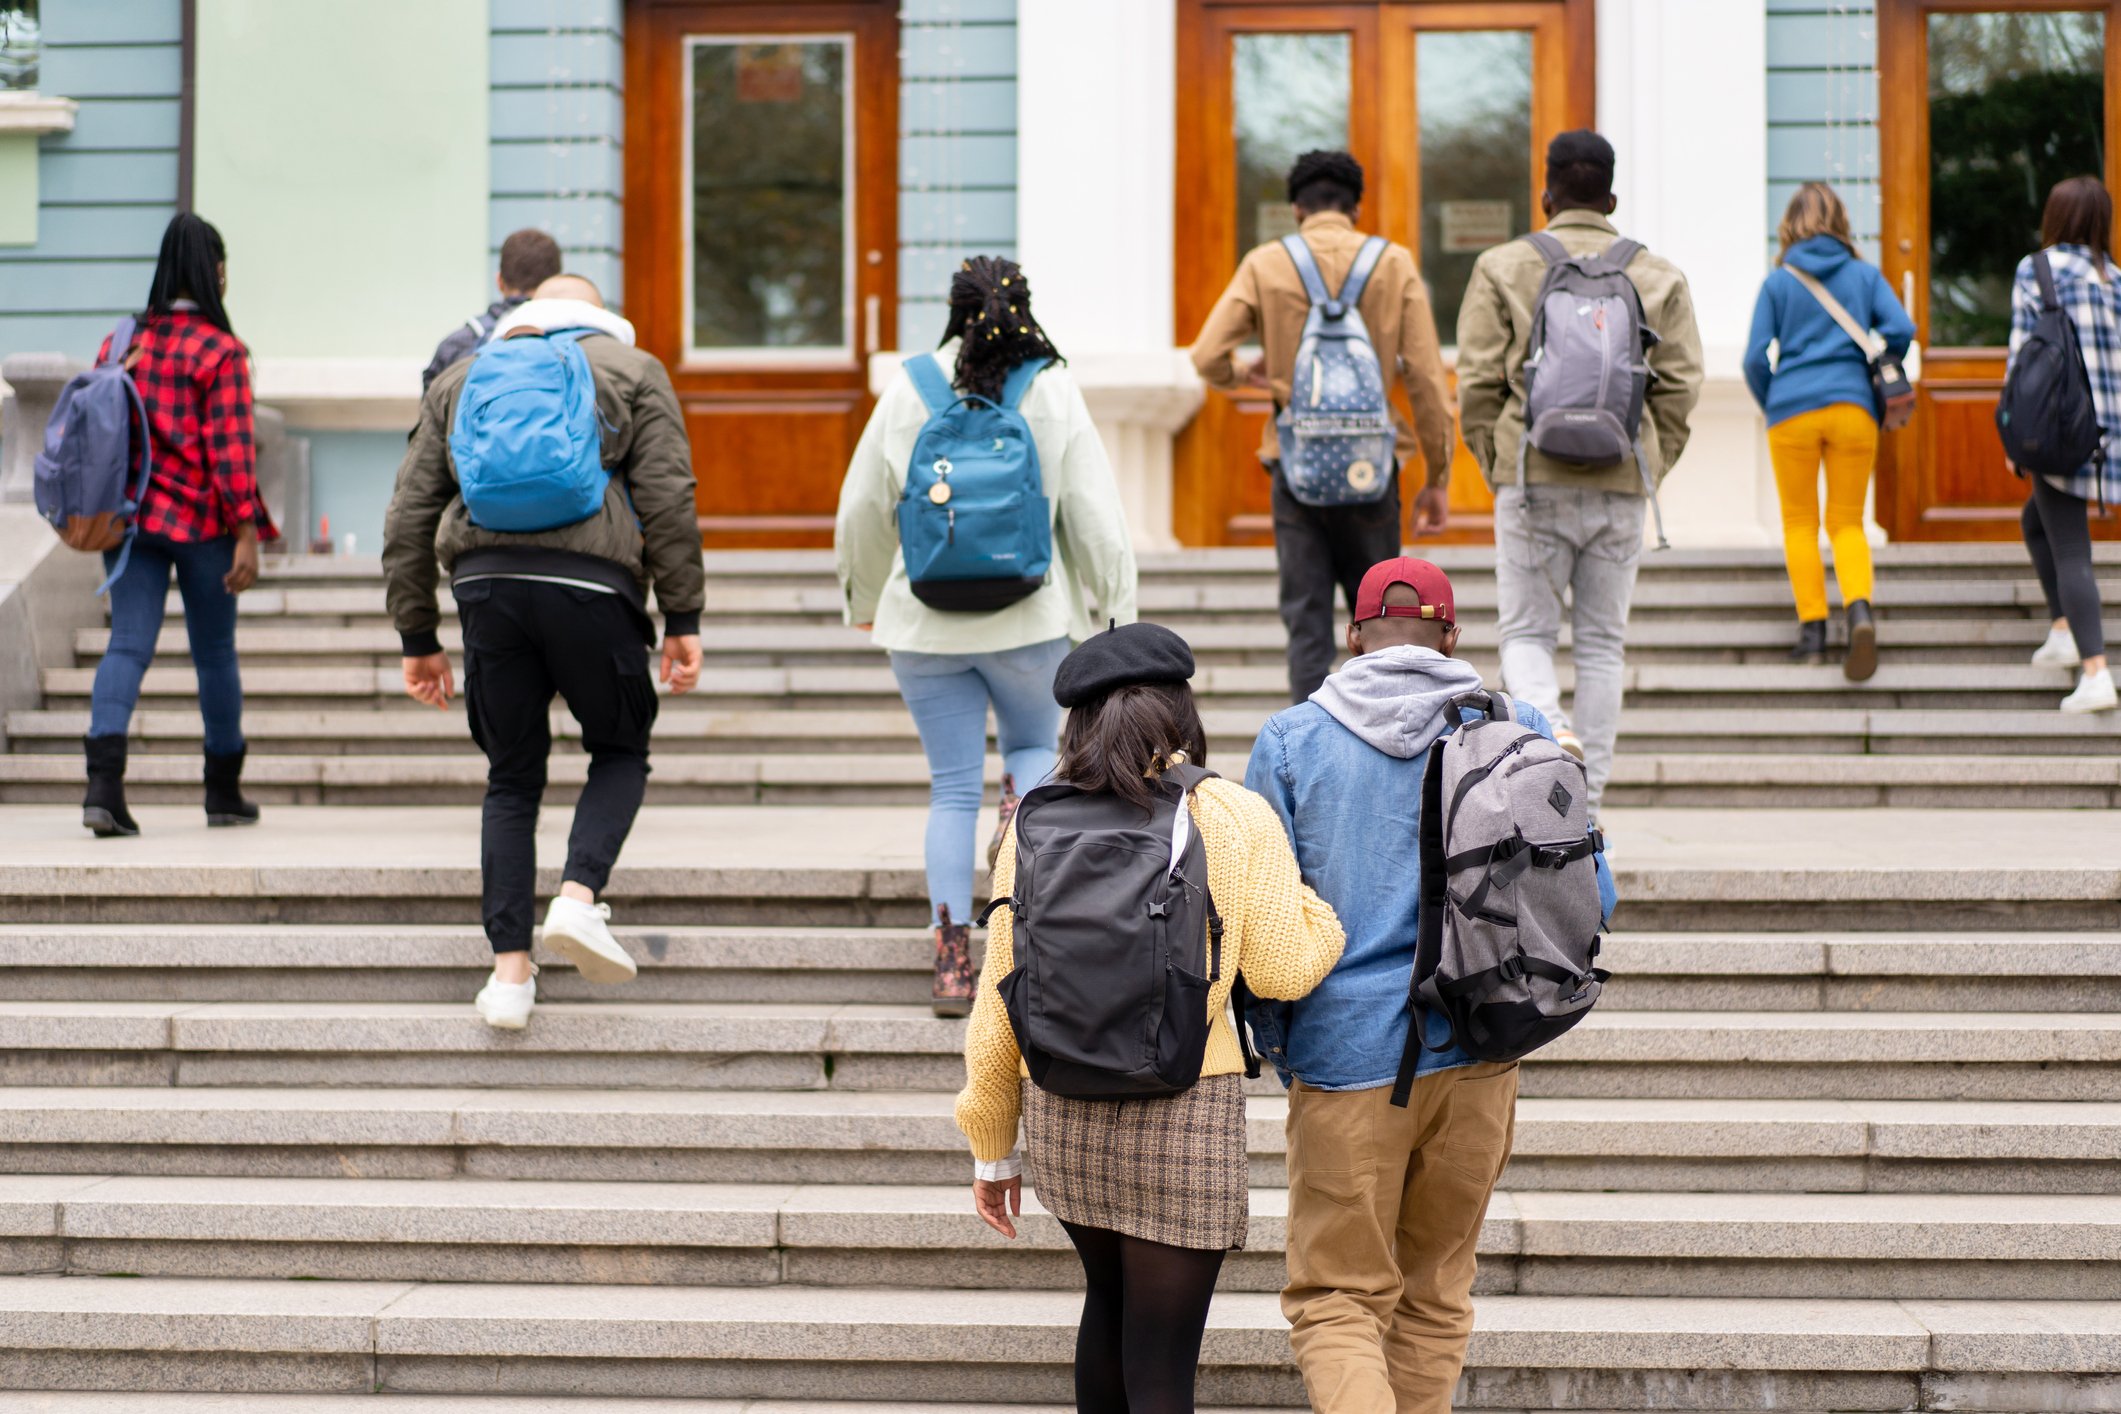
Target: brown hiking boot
point(1001, 826)
point(952, 993)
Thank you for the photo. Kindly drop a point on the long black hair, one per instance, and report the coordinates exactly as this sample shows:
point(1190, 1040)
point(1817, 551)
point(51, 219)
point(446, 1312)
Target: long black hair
point(1121, 741)
point(189, 267)
point(990, 309)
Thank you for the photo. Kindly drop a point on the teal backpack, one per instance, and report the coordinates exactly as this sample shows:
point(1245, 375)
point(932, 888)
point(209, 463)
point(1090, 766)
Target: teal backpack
point(527, 440)
point(973, 521)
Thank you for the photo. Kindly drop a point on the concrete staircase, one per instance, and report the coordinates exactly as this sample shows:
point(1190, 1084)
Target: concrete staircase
point(1844, 1136)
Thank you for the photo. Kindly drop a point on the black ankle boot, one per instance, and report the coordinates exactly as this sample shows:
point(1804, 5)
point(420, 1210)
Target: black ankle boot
point(1811, 642)
point(1862, 658)
point(225, 804)
point(103, 807)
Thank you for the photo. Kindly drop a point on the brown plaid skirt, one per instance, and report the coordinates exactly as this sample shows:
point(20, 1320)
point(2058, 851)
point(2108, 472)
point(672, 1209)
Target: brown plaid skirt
point(1169, 1170)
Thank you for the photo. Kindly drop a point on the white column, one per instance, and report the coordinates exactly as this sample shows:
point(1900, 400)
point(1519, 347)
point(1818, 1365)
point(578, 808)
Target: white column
point(1096, 168)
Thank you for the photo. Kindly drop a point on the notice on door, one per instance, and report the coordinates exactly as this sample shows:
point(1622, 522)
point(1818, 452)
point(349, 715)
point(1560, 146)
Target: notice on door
point(1470, 227)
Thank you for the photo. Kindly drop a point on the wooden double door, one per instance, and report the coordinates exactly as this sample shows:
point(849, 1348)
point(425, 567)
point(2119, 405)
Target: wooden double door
point(1447, 105)
point(1985, 105)
point(761, 241)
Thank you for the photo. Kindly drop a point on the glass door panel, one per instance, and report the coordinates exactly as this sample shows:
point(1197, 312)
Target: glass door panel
point(1473, 97)
point(1290, 94)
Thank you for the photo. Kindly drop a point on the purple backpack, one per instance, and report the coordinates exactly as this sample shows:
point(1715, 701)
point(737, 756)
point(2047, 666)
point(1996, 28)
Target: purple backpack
point(86, 485)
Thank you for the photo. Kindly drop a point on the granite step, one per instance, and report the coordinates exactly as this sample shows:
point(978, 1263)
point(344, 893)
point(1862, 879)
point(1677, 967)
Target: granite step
point(1798, 1246)
point(700, 1136)
point(914, 1344)
point(142, 1402)
point(1612, 1054)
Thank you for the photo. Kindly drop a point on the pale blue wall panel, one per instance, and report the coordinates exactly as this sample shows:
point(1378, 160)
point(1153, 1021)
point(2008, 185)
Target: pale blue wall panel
point(123, 124)
point(112, 22)
point(1822, 89)
point(1820, 95)
point(576, 222)
point(958, 51)
point(555, 14)
point(972, 106)
point(66, 177)
point(75, 334)
point(980, 160)
point(114, 70)
point(924, 271)
point(958, 217)
point(350, 479)
point(101, 231)
point(1821, 40)
point(944, 11)
point(593, 166)
point(558, 112)
point(74, 286)
point(1804, 152)
point(570, 57)
point(558, 115)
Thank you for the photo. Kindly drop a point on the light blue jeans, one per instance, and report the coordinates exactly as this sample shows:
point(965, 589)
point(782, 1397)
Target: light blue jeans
point(948, 694)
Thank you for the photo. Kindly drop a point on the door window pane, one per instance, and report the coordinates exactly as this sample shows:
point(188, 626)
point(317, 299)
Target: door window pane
point(1290, 95)
point(2016, 104)
point(768, 197)
point(1474, 91)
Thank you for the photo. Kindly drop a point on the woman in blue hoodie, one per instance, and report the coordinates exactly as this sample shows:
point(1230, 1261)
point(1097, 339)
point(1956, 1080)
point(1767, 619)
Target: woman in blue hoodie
point(1820, 407)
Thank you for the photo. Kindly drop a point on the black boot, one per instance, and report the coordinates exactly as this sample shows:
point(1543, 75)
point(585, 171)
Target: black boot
point(952, 994)
point(225, 804)
point(103, 807)
point(1811, 642)
point(1862, 658)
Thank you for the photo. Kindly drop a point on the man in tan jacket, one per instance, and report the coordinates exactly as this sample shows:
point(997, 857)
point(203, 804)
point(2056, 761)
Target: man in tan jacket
point(1319, 548)
point(1569, 527)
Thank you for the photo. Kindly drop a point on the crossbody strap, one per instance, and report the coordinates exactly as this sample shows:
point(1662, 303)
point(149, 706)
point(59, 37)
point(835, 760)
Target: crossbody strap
point(1838, 314)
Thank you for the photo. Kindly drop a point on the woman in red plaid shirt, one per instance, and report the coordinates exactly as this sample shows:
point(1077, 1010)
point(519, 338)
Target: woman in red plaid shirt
point(201, 519)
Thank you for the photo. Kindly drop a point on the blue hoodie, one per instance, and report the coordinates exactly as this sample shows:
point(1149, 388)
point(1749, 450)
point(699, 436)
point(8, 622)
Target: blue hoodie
point(1819, 365)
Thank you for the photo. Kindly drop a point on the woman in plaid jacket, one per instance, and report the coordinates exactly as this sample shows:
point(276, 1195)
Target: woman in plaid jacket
point(201, 519)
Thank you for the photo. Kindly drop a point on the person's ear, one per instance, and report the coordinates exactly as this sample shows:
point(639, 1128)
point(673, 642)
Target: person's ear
point(1612, 203)
point(221, 277)
point(1546, 204)
point(1354, 640)
point(1450, 641)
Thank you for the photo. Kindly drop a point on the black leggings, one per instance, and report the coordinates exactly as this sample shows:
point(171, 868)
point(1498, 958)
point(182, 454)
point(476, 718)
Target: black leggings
point(1139, 1346)
point(2057, 530)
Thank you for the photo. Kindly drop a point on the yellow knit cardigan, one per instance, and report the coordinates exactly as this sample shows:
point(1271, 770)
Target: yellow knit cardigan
point(1283, 937)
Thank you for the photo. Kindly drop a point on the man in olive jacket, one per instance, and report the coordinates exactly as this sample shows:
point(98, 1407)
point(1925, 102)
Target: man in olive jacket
point(1569, 528)
point(557, 612)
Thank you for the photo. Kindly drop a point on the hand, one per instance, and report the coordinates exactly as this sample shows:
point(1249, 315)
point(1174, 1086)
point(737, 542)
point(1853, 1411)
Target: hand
point(243, 573)
point(1255, 373)
point(1432, 510)
point(429, 680)
point(681, 662)
point(996, 1201)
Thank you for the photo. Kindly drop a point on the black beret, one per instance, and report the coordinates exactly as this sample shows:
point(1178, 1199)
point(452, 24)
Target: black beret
point(1120, 657)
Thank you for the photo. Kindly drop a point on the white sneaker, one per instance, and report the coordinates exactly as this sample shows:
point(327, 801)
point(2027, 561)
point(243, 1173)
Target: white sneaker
point(1568, 741)
point(577, 932)
point(506, 1006)
point(2060, 650)
point(2095, 693)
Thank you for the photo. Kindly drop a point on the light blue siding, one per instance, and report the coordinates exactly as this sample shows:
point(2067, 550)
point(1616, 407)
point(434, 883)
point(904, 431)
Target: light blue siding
point(73, 286)
point(68, 178)
point(124, 124)
point(559, 129)
point(957, 150)
point(963, 106)
point(944, 11)
point(1822, 90)
point(972, 160)
point(946, 51)
point(350, 478)
point(125, 22)
point(591, 166)
point(578, 223)
point(109, 70)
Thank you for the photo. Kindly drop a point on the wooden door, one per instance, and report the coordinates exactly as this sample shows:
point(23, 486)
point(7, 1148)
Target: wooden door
point(1985, 106)
point(761, 241)
point(1448, 106)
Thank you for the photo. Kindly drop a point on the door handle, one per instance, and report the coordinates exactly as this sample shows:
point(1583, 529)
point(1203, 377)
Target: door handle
point(872, 321)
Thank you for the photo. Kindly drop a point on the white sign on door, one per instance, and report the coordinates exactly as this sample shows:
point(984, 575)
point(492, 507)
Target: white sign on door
point(1470, 227)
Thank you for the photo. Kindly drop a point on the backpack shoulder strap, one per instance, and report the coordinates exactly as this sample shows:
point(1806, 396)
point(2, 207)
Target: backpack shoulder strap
point(1621, 251)
point(2049, 300)
point(929, 380)
point(1373, 250)
point(1307, 268)
point(1435, 898)
point(121, 339)
point(1020, 379)
point(1549, 246)
point(1836, 311)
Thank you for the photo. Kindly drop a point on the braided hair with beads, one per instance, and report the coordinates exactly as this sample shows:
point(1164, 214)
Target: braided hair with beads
point(990, 309)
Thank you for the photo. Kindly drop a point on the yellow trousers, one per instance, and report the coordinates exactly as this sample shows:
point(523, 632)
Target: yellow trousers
point(1845, 437)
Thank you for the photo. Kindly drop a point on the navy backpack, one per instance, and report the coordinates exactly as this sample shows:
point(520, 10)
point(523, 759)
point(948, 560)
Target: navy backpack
point(973, 522)
point(87, 484)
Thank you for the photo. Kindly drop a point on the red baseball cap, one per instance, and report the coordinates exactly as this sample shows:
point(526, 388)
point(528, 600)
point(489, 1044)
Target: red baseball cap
point(1431, 586)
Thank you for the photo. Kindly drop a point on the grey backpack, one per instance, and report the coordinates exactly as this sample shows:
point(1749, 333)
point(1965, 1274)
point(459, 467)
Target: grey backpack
point(85, 482)
point(1586, 372)
point(1335, 432)
point(1510, 908)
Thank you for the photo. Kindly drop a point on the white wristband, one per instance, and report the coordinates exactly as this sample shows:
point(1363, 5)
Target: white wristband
point(996, 1170)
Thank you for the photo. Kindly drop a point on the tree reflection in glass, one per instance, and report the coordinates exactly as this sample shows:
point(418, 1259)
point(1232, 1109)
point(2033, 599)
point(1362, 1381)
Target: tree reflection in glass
point(1290, 95)
point(1474, 91)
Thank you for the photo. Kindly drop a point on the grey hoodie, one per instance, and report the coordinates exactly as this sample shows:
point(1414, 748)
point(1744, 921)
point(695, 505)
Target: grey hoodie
point(1394, 699)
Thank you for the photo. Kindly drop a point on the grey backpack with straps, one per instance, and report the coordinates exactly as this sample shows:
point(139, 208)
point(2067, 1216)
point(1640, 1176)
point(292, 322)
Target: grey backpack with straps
point(1510, 908)
point(1335, 432)
point(1586, 370)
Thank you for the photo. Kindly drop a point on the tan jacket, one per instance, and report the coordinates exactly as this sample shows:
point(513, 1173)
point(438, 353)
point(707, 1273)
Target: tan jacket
point(1495, 323)
point(1266, 302)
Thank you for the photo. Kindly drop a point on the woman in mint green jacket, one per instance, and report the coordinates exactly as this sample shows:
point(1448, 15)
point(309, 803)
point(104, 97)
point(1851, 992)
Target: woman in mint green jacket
point(952, 666)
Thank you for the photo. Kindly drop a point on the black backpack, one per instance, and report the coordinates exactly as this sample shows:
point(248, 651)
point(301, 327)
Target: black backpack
point(1117, 943)
point(2049, 424)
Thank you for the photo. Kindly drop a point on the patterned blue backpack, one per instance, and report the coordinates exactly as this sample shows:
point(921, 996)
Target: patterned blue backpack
point(1336, 430)
point(973, 522)
point(527, 438)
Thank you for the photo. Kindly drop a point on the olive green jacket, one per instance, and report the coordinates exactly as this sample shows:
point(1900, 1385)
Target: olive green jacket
point(648, 525)
point(1495, 325)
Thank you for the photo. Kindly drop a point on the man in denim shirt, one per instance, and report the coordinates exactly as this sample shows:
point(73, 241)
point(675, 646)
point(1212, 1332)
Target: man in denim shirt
point(1385, 1204)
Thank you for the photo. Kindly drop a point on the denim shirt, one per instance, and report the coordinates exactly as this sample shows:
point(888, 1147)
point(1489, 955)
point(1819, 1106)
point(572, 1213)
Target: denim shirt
point(1353, 814)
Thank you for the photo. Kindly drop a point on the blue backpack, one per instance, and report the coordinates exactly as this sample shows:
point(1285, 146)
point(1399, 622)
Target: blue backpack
point(526, 440)
point(1336, 431)
point(973, 521)
point(86, 485)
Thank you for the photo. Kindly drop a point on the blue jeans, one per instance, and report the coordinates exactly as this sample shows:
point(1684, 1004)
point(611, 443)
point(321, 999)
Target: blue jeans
point(137, 600)
point(948, 695)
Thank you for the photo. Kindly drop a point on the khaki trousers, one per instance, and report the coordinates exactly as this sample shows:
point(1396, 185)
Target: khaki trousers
point(1385, 1207)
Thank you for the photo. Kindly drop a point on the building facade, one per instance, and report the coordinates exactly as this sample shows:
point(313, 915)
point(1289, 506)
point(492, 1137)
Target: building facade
point(776, 194)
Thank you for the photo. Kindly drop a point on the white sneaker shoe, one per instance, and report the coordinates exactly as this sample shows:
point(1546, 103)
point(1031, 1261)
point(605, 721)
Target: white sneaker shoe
point(577, 932)
point(2060, 650)
point(1568, 741)
point(2095, 693)
point(506, 1006)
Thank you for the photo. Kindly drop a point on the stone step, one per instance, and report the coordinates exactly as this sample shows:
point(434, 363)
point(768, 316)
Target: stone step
point(142, 1402)
point(1800, 1246)
point(870, 1047)
point(899, 1343)
point(1706, 972)
point(1818, 1146)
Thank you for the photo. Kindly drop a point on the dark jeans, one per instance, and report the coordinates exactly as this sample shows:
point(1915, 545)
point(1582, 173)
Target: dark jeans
point(2057, 530)
point(1319, 549)
point(137, 600)
point(525, 641)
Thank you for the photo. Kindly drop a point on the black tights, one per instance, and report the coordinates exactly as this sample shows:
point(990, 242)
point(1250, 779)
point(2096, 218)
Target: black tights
point(2058, 533)
point(1147, 1305)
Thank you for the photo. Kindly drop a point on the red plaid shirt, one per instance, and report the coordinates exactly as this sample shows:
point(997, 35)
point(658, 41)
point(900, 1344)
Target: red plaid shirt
point(195, 380)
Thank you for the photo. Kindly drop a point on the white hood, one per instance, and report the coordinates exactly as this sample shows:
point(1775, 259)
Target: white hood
point(547, 315)
point(1394, 699)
